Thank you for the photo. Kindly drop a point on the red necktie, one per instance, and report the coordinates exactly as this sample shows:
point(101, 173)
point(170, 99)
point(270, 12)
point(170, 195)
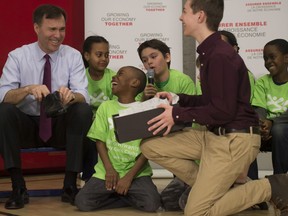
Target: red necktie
point(45, 126)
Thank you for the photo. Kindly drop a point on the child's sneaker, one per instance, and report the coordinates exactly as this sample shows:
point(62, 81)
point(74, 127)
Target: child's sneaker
point(183, 198)
point(171, 194)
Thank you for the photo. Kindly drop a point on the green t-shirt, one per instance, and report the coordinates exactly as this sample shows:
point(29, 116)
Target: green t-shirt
point(270, 96)
point(100, 90)
point(122, 156)
point(198, 87)
point(178, 83)
point(252, 83)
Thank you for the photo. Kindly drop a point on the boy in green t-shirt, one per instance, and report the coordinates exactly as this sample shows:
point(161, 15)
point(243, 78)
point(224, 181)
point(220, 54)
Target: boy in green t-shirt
point(156, 55)
point(122, 175)
point(271, 102)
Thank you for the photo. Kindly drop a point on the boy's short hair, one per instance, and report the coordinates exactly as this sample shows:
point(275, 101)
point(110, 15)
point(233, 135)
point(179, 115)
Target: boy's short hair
point(281, 44)
point(141, 76)
point(47, 11)
point(213, 9)
point(155, 44)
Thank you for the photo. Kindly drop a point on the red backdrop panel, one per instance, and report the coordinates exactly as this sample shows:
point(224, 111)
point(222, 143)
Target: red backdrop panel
point(17, 24)
point(16, 30)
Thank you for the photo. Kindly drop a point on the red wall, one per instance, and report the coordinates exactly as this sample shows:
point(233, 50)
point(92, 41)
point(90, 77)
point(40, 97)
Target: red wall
point(17, 25)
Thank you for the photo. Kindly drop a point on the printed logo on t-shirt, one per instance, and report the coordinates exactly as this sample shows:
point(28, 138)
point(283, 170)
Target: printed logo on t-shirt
point(111, 124)
point(98, 98)
point(276, 105)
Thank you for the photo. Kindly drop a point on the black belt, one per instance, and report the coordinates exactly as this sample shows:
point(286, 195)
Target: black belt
point(222, 131)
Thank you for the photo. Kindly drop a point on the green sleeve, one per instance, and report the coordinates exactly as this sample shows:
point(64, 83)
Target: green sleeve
point(99, 127)
point(198, 87)
point(188, 87)
point(259, 94)
point(252, 83)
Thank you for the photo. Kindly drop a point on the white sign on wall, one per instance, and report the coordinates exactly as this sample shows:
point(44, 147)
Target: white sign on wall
point(128, 23)
point(254, 23)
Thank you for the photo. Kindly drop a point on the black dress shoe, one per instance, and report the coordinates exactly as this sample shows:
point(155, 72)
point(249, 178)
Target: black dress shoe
point(69, 194)
point(18, 198)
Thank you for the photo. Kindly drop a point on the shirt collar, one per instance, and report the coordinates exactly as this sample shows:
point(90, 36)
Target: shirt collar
point(129, 105)
point(40, 54)
point(209, 42)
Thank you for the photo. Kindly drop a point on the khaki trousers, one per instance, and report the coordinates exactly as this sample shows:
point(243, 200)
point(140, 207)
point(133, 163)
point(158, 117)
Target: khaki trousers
point(223, 159)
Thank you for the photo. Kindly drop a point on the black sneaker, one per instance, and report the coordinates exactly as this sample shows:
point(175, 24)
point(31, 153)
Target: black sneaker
point(69, 195)
point(171, 194)
point(183, 198)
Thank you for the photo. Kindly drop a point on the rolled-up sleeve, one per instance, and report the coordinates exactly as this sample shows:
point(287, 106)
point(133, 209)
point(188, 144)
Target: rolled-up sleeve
point(78, 80)
point(10, 78)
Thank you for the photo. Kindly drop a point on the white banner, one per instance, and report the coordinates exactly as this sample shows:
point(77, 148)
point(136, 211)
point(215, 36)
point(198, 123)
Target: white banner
point(128, 23)
point(254, 23)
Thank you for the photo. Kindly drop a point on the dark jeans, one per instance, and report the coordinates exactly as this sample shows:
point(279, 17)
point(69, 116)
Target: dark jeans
point(18, 130)
point(279, 140)
point(279, 143)
point(253, 170)
point(90, 159)
point(142, 195)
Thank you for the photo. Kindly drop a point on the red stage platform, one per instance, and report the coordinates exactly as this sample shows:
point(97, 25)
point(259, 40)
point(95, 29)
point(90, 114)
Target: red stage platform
point(40, 160)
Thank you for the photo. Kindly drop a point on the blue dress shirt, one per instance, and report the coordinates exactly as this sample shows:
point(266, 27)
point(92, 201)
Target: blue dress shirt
point(25, 66)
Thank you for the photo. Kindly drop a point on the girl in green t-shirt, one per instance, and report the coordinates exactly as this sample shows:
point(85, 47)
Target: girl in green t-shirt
point(96, 60)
